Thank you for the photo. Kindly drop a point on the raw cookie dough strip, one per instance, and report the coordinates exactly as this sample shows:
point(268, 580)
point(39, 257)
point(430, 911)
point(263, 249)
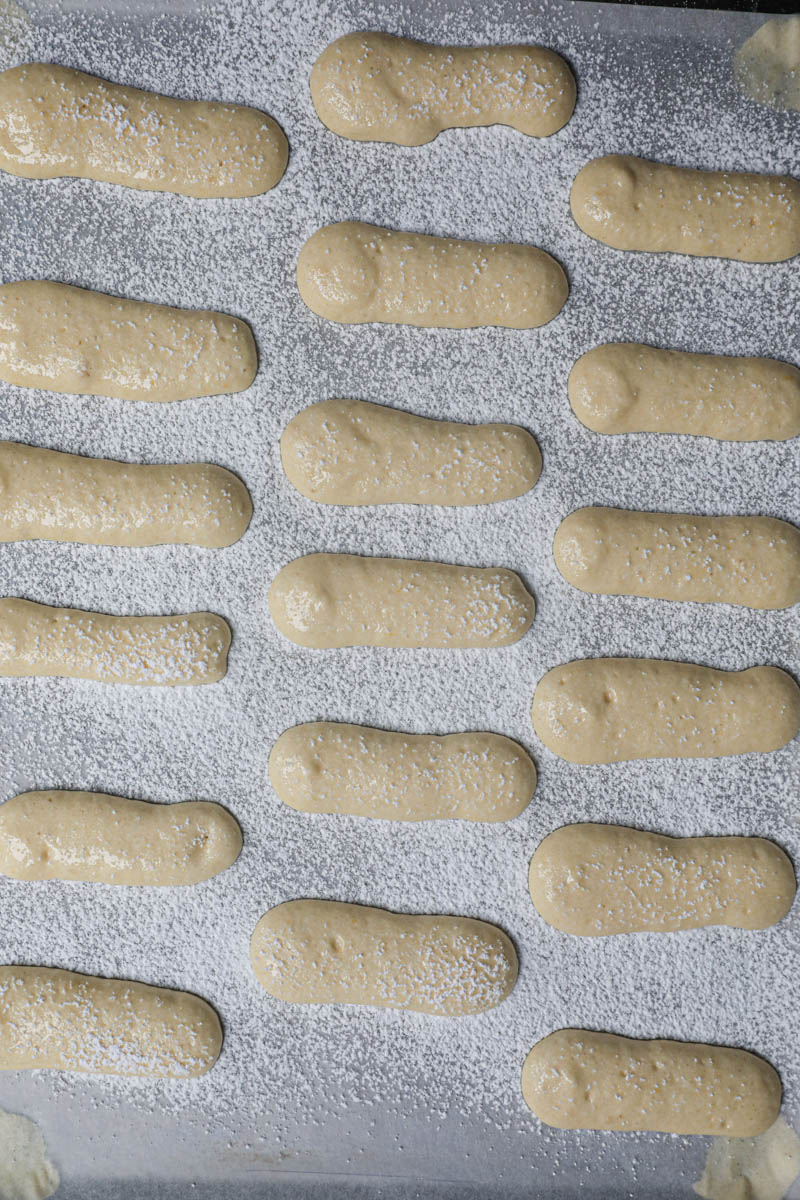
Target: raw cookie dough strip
point(624, 387)
point(325, 601)
point(356, 273)
point(579, 1079)
point(327, 767)
point(324, 952)
point(602, 710)
point(99, 838)
point(753, 561)
point(67, 339)
point(181, 650)
point(71, 1022)
point(56, 121)
point(380, 88)
point(635, 204)
point(596, 880)
point(351, 452)
point(100, 502)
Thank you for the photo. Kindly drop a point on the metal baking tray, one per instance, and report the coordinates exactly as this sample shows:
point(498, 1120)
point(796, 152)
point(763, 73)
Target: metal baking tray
point(346, 1102)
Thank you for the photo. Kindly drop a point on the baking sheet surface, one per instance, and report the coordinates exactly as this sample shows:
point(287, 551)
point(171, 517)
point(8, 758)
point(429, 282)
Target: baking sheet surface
point(346, 1101)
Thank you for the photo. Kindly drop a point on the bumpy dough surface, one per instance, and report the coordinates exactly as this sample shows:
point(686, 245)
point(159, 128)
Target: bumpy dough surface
point(326, 601)
point(602, 710)
point(181, 650)
point(352, 452)
point(576, 1079)
point(69, 498)
point(68, 339)
point(354, 273)
point(99, 838)
point(379, 88)
point(324, 952)
point(635, 204)
point(753, 561)
point(70, 1022)
point(57, 121)
point(596, 880)
point(766, 68)
point(628, 388)
point(326, 767)
point(26, 1172)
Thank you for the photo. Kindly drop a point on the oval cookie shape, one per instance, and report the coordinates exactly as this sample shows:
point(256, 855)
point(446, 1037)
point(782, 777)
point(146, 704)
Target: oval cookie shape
point(324, 952)
point(627, 388)
point(325, 601)
point(71, 1022)
point(602, 710)
point(578, 1079)
point(374, 87)
point(68, 498)
point(355, 273)
point(753, 561)
point(68, 339)
point(351, 452)
point(596, 880)
point(110, 839)
point(182, 650)
point(635, 204)
point(56, 121)
point(327, 767)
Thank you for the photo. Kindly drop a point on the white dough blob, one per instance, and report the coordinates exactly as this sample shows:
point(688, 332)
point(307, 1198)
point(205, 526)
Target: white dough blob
point(767, 65)
point(759, 1168)
point(26, 1172)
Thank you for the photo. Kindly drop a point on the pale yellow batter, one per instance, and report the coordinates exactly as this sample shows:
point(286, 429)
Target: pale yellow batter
point(324, 952)
point(355, 273)
point(69, 498)
point(327, 767)
point(111, 839)
point(627, 388)
point(326, 601)
point(635, 204)
point(754, 561)
point(601, 710)
point(352, 452)
point(57, 121)
point(68, 339)
point(70, 1022)
point(380, 88)
point(577, 1079)
point(595, 880)
point(35, 639)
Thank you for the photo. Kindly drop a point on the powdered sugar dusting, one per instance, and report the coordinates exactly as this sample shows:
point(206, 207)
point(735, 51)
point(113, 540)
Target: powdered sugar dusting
point(354, 1090)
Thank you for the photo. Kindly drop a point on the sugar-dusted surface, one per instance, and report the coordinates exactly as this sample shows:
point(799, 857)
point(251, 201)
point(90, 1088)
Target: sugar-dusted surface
point(636, 204)
point(73, 498)
point(375, 87)
point(577, 1079)
point(609, 710)
point(330, 601)
point(597, 880)
point(73, 1022)
point(752, 561)
point(153, 651)
point(333, 767)
point(81, 341)
point(326, 952)
point(355, 272)
point(354, 452)
point(354, 1090)
point(56, 121)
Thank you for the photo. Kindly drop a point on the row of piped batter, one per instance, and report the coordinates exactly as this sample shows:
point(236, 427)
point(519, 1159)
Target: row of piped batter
point(523, 300)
